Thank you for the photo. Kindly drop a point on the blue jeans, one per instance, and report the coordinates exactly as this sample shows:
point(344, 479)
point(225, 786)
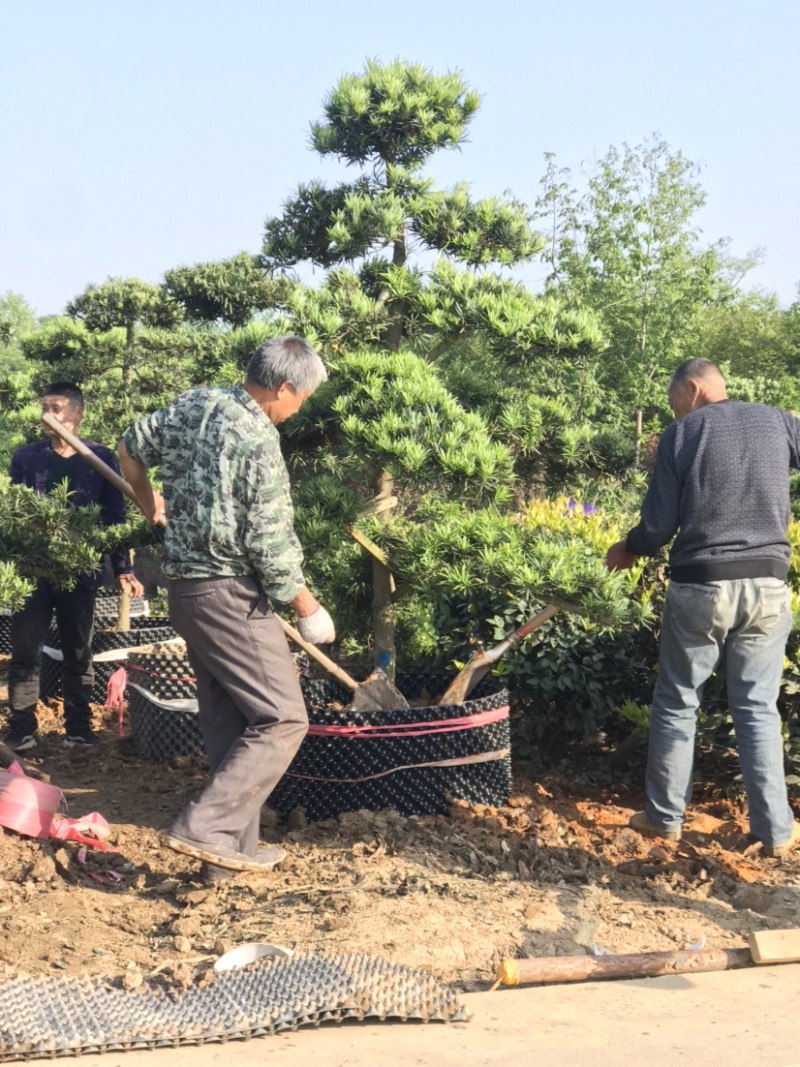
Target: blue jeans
point(744, 621)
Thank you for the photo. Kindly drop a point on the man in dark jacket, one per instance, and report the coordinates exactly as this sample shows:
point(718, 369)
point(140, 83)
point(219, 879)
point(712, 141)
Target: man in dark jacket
point(721, 483)
point(42, 466)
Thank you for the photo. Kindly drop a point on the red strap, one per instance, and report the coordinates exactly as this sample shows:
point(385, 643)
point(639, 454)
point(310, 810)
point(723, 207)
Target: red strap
point(412, 729)
point(64, 829)
point(115, 695)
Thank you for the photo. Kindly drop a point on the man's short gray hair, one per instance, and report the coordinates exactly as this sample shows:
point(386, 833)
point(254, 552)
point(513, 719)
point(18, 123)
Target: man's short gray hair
point(695, 368)
point(286, 359)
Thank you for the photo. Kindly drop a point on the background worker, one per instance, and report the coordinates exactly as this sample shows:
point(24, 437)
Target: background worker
point(42, 466)
point(721, 482)
point(229, 546)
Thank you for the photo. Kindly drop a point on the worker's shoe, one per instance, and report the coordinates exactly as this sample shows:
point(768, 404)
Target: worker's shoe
point(20, 738)
point(219, 856)
point(80, 735)
point(211, 874)
point(776, 851)
point(639, 823)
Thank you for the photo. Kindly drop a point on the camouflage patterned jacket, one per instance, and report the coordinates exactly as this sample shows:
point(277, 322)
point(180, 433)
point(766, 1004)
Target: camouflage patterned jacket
point(226, 489)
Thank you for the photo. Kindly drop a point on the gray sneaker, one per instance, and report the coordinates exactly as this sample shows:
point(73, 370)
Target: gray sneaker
point(81, 735)
point(212, 874)
point(20, 739)
point(219, 856)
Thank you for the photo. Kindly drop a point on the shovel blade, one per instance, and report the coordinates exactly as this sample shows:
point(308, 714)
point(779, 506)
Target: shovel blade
point(377, 693)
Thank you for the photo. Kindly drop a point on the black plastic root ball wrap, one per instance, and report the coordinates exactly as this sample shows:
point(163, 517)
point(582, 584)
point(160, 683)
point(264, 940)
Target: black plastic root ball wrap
point(373, 770)
point(50, 671)
point(160, 734)
point(157, 631)
point(432, 755)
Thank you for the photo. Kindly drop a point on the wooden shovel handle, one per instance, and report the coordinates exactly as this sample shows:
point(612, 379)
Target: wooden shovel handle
point(94, 461)
point(519, 635)
point(633, 965)
point(320, 657)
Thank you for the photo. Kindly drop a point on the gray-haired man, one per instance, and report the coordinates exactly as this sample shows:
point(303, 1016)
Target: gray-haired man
point(229, 546)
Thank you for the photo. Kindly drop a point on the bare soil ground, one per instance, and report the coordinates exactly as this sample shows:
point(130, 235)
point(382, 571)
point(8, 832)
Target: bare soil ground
point(553, 872)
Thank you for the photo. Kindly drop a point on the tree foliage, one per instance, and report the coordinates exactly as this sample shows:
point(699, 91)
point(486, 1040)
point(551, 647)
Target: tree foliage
point(45, 537)
point(629, 249)
point(227, 290)
point(17, 318)
point(397, 114)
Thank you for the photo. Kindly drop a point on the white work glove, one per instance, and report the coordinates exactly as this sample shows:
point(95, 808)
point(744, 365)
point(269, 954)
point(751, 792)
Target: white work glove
point(318, 628)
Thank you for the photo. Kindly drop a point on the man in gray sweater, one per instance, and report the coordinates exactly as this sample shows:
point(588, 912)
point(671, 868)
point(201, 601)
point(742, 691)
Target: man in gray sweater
point(721, 483)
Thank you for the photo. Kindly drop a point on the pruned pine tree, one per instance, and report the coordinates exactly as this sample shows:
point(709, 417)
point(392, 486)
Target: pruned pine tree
point(408, 279)
point(228, 291)
point(389, 121)
point(125, 303)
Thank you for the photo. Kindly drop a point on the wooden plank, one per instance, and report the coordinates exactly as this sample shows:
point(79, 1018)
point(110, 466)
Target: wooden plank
point(370, 546)
point(775, 946)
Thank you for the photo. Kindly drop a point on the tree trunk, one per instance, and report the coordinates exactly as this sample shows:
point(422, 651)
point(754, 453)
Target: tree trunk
point(397, 310)
point(638, 439)
point(124, 617)
point(383, 584)
point(127, 359)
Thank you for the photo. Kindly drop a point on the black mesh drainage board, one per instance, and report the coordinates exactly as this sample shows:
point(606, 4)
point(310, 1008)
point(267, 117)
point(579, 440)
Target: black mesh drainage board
point(68, 1016)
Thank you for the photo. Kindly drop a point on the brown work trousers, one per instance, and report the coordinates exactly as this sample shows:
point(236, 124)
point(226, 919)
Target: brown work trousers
point(251, 710)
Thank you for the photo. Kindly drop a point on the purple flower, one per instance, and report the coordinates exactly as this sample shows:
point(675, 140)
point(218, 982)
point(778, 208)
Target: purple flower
point(588, 509)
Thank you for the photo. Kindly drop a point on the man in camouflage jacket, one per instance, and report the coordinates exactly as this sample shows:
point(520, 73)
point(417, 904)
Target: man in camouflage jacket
point(230, 547)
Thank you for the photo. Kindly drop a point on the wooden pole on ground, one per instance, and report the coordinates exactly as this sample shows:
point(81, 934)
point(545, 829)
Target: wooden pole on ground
point(631, 965)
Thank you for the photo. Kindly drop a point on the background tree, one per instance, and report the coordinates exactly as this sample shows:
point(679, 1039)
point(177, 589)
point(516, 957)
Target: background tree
point(17, 318)
point(125, 303)
point(229, 291)
point(629, 249)
point(126, 344)
point(752, 336)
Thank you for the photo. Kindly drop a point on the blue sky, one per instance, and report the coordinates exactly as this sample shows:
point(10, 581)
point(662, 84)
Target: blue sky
point(137, 136)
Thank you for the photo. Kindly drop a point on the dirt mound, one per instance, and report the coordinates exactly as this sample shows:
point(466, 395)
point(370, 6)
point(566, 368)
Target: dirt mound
point(556, 871)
